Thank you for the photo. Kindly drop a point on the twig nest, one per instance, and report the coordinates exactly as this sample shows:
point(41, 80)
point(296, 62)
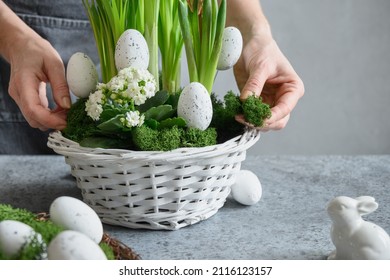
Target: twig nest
point(131, 51)
point(73, 214)
point(247, 189)
point(195, 106)
point(81, 75)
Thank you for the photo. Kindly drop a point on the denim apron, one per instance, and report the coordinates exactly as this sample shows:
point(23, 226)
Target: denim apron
point(65, 25)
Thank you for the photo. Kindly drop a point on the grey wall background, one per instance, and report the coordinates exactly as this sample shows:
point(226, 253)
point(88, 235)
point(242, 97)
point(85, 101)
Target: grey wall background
point(340, 48)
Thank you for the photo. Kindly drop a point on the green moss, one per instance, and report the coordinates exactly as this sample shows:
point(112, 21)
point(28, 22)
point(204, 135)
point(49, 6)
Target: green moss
point(47, 229)
point(224, 112)
point(167, 139)
point(194, 137)
point(79, 124)
point(255, 111)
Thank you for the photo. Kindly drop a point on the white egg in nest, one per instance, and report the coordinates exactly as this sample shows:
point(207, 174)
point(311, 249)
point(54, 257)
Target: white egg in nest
point(81, 75)
point(247, 188)
point(195, 106)
point(74, 245)
point(15, 235)
point(73, 214)
point(131, 51)
point(231, 48)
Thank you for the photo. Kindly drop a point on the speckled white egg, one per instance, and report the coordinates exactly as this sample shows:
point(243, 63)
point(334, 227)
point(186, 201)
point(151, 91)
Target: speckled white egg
point(14, 235)
point(74, 245)
point(231, 48)
point(247, 188)
point(73, 214)
point(81, 75)
point(195, 106)
point(131, 51)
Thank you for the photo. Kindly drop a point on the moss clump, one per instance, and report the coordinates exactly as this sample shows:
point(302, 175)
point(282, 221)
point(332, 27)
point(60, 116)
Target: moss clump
point(79, 124)
point(194, 137)
point(255, 111)
point(224, 112)
point(167, 139)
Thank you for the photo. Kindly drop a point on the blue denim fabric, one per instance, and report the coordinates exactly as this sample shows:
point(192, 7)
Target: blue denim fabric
point(65, 25)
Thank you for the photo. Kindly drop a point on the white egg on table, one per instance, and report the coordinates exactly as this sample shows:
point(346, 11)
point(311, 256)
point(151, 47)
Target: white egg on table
point(131, 51)
point(73, 214)
point(74, 245)
point(231, 48)
point(195, 106)
point(14, 235)
point(81, 75)
point(247, 188)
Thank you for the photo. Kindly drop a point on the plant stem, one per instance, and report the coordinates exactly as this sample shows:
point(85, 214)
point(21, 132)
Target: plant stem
point(151, 36)
point(202, 23)
point(171, 44)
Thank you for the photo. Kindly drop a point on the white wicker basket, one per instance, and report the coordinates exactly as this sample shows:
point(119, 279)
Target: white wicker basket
point(155, 190)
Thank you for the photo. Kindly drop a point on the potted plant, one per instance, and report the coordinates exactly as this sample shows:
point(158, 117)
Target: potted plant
point(147, 152)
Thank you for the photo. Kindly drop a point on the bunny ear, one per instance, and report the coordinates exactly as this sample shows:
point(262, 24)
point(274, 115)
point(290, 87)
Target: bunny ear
point(365, 198)
point(366, 205)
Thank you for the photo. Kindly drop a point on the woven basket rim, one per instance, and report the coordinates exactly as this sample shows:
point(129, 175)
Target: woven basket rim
point(67, 147)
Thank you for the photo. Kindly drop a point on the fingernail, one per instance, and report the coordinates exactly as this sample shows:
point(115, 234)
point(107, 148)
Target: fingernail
point(65, 102)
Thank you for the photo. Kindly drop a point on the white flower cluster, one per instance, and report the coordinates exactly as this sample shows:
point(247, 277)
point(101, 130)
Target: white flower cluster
point(135, 84)
point(130, 87)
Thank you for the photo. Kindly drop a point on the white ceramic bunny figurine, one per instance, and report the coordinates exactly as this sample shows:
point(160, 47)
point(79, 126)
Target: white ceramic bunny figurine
point(354, 238)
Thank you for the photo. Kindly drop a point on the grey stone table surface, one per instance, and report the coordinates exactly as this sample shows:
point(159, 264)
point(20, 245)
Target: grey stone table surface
point(289, 222)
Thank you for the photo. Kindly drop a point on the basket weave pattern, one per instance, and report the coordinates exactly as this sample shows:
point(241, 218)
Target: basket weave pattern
point(155, 190)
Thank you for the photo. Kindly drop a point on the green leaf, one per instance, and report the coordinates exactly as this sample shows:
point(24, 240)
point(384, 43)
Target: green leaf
point(152, 123)
point(158, 99)
point(160, 112)
point(109, 113)
point(114, 125)
point(171, 122)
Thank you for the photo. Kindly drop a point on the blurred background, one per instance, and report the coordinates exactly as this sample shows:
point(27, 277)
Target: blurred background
point(340, 49)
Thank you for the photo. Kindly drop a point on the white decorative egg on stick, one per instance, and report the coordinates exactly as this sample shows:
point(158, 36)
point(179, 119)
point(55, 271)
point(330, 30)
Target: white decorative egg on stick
point(195, 106)
point(81, 75)
point(231, 48)
point(131, 51)
point(247, 188)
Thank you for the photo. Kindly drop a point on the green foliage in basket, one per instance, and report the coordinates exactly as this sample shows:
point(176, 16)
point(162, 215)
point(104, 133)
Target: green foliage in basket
point(166, 139)
point(202, 25)
point(47, 229)
point(127, 110)
point(109, 19)
point(170, 42)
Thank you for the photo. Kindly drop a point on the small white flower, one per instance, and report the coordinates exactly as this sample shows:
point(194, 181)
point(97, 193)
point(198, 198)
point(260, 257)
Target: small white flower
point(126, 73)
point(150, 89)
point(101, 86)
point(93, 106)
point(133, 90)
point(96, 97)
point(93, 110)
point(116, 84)
point(139, 99)
point(133, 118)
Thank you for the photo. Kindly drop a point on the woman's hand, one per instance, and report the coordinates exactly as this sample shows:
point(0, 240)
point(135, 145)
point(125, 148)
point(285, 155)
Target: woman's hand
point(34, 63)
point(264, 71)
